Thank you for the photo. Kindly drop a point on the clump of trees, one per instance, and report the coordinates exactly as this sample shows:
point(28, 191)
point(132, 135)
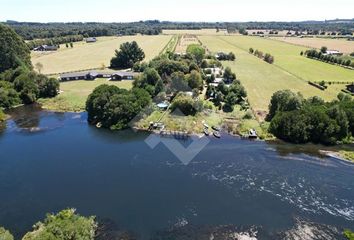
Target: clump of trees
point(113, 107)
point(186, 104)
point(18, 82)
point(298, 120)
point(226, 97)
point(319, 55)
point(348, 234)
point(129, 54)
point(63, 225)
point(266, 57)
point(226, 57)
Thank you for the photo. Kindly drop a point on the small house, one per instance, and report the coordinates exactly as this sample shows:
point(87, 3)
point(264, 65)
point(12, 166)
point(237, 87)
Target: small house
point(78, 76)
point(91, 40)
point(43, 48)
point(119, 76)
point(333, 53)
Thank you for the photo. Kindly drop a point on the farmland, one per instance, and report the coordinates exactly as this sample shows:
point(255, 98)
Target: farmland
point(184, 42)
point(290, 70)
point(95, 55)
point(341, 45)
point(74, 94)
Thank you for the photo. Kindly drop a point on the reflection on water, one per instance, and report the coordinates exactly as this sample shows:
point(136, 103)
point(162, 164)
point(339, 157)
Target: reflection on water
point(234, 189)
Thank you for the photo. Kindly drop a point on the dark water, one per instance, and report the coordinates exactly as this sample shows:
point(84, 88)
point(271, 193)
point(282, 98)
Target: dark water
point(50, 161)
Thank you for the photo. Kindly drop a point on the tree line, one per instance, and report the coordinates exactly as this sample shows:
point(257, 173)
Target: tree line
point(322, 56)
point(266, 57)
point(19, 84)
point(298, 120)
point(30, 31)
point(56, 41)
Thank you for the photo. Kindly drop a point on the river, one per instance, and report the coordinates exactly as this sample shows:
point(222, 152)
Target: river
point(232, 187)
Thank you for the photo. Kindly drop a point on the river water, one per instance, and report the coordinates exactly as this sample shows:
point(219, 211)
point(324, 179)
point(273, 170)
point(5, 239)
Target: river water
point(233, 188)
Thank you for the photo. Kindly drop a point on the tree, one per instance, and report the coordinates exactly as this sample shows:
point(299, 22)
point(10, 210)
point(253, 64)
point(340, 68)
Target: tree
point(179, 82)
point(229, 76)
point(284, 100)
point(186, 104)
point(195, 80)
point(4, 234)
point(64, 225)
point(71, 45)
point(8, 95)
point(251, 50)
point(39, 66)
point(127, 56)
point(48, 87)
point(197, 51)
point(13, 50)
point(26, 86)
point(324, 49)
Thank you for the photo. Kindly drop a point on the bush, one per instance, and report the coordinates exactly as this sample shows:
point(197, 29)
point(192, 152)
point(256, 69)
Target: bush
point(64, 225)
point(4, 234)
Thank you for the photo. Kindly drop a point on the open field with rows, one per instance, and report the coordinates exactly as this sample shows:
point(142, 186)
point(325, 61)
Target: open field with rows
point(94, 55)
point(74, 94)
point(290, 70)
point(341, 45)
point(184, 42)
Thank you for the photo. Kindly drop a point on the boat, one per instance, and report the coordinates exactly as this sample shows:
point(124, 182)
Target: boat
point(252, 134)
point(216, 134)
point(206, 132)
point(216, 128)
point(206, 125)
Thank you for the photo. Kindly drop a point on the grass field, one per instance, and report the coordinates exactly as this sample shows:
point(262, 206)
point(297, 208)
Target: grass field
point(290, 70)
point(74, 94)
point(341, 45)
point(93, 55)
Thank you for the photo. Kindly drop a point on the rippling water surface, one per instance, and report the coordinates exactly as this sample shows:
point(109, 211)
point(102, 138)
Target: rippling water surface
point(231, 189)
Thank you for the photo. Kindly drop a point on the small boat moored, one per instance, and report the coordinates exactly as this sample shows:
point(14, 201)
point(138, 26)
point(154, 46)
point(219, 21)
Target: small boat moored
point(252, 134)
point(206, 132)
point(216, 134)
point(216, 128)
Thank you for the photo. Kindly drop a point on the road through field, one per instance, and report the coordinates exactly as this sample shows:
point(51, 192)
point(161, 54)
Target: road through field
point(261, 79)
point(93, 55)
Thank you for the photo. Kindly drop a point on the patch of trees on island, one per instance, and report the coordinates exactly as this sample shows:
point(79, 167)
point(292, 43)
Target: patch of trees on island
point(19, 84)
point(321, 55)
point(298, 120)
point(266, 57)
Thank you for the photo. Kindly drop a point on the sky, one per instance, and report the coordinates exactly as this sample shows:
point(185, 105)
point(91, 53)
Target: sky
point(180, 10)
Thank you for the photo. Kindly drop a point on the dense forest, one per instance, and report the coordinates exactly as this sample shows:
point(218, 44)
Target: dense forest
point(19, 84)
point(30, 31)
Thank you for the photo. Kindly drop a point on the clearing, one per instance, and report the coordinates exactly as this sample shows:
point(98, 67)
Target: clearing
point(75, 93)
point(95, 55)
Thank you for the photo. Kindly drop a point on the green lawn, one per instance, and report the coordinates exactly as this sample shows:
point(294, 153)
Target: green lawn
point(94, 55)
point(74, 94)
point(290, 70)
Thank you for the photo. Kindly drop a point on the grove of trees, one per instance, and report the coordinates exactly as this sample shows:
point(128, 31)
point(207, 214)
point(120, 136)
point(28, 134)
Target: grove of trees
point(18, 82)
point(319, 55)
point(298, 120)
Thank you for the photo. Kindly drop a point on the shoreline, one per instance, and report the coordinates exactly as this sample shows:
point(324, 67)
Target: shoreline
point(324, 150)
